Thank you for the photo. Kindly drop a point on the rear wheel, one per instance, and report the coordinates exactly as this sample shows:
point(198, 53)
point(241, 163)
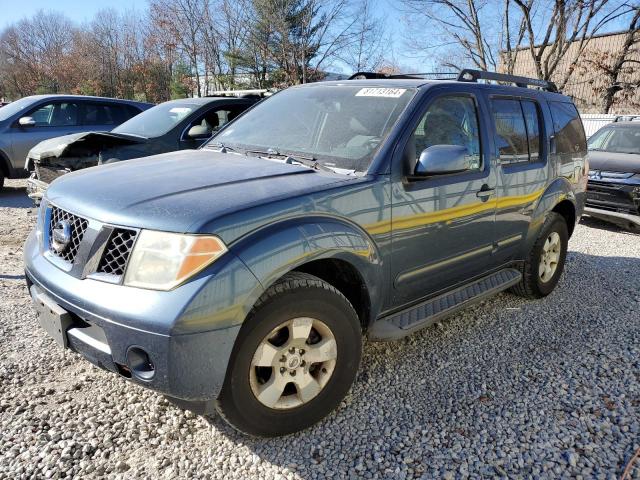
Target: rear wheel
point(1, 179)
point(294, 360)
point(545, 263)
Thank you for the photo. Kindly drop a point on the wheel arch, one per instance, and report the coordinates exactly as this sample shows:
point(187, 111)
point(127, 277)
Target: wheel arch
point(558, 197)
point(5, 166)
point(567, 209)
point(335, 250)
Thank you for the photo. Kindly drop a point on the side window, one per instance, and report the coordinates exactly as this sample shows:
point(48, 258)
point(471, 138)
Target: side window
point(130, 112)
point(511, 131)
point(214, 119)
point(120, 113)
point(56, 115)
point(450, 120)
point(97, 114)
point(532, 121)
point(570, 137)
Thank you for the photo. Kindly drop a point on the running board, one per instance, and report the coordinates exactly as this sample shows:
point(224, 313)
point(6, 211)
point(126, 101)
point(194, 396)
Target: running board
point(405, 322)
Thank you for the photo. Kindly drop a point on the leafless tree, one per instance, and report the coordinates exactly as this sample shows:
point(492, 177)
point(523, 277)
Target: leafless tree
point(458, 24)
point(619, 68)
point(368, 48)
point(571, 23)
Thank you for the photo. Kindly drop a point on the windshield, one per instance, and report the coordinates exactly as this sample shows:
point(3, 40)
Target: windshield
point(338, 126)
point(14, 107)
point(157, 120)
point(617, 140)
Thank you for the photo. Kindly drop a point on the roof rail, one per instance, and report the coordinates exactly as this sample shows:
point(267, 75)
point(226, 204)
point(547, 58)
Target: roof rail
point(468, 75)
point(405, 76)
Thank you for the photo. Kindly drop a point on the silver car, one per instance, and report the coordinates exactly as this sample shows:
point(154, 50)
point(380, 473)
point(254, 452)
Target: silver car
point(30, 120)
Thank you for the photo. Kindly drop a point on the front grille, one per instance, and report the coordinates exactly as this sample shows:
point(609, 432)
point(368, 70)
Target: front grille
point(116, 253)
point(78, 227)
point(48, 174)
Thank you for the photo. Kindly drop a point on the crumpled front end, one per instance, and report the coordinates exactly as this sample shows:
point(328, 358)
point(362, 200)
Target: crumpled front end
point(55, 157)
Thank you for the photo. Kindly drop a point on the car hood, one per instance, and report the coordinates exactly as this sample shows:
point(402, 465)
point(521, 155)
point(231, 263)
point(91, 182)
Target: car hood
point(614, 162)
point(182, 191)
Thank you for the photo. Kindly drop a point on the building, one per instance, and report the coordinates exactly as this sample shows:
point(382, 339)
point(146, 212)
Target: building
point(587, 84)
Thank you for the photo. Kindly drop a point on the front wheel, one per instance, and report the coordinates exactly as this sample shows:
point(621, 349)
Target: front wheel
point(544, 265)
point(294, 360)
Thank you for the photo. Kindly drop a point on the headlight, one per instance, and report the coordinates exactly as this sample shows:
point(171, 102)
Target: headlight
point(162, 260)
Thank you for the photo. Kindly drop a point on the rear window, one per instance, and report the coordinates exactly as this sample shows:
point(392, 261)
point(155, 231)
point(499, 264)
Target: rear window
point(570, 137)
point(517, 124)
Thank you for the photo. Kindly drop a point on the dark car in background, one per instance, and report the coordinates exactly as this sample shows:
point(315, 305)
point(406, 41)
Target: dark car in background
point(173, 125)
point(30, 120)
point(613, 190)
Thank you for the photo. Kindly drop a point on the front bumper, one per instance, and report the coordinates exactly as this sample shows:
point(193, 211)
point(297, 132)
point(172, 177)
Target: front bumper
point(614, 201)
point(619, 218)
point(107, 320)
point(36, 188)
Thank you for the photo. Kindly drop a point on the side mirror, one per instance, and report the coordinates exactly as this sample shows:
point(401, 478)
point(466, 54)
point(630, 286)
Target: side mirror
point(198, 131)
point(443, 159)
point(27, 122)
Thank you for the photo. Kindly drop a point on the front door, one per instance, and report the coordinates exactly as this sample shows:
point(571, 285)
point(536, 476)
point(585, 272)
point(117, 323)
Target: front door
point(443, 223)
point(52, 119)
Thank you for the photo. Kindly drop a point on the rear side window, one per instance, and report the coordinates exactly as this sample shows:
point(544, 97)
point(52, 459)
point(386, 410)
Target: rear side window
point(517, 126)
point(129, 111)
point(97, 114)
point(570, 137)
point(104, 114)
point(532, 122)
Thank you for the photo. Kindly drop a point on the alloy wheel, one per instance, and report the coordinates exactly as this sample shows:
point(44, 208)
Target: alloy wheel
point(293, 363)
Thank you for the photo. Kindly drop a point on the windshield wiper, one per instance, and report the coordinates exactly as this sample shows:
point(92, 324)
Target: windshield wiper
point(223, 148)
point(307, 161)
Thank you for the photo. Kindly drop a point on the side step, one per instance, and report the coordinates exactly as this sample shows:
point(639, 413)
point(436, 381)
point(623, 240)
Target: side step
point(405, 322)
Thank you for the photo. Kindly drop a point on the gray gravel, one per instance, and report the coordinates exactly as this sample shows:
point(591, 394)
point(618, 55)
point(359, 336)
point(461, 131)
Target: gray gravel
point(508, 388)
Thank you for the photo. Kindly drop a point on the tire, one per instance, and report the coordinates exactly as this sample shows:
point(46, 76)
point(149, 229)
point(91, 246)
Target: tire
point(534, 284)
point(1, 179)
point(294, 301)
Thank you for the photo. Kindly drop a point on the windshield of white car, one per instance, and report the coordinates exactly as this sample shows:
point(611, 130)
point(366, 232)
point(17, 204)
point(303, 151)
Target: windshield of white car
point(616, 140)
point(339, 126)
point(14, 107)
point(157, 120)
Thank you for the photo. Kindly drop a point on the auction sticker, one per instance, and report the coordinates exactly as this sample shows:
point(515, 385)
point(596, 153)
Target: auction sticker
point(381, 92)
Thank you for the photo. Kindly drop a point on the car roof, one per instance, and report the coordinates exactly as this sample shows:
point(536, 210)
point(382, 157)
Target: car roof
point(425, 84)
point(624, 124)
point(63, 96)
point(207, 100)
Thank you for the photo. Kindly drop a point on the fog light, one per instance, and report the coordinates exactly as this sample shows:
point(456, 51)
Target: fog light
point(140, 364)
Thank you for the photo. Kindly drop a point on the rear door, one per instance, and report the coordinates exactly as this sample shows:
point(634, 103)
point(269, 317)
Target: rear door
point(52, 119)
point(442, 225)
point(104, 116)
point(520, 126)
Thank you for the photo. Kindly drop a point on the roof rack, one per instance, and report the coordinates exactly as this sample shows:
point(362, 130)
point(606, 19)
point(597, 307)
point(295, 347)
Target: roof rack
point(468, 75)
point(405, 76)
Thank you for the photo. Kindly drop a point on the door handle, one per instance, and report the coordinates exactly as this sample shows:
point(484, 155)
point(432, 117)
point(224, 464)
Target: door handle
point(485, 192)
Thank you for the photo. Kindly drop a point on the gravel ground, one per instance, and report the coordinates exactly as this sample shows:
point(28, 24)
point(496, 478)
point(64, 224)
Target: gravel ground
point(509, 388)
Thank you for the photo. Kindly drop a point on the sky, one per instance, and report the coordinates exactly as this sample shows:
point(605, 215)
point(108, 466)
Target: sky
point(83, 10)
